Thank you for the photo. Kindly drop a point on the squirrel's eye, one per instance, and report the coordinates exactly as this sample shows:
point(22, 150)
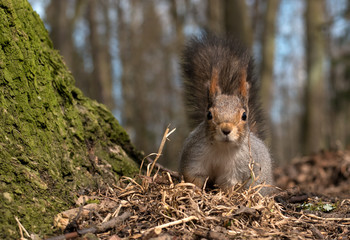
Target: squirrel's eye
point(244, 116)
point(209, 115)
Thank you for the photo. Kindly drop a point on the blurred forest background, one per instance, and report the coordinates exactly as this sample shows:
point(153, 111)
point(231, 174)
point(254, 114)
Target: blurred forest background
point(125, 54)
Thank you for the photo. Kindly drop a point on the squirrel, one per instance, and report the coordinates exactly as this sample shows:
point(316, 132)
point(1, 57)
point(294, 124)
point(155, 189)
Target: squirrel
point(226, 145)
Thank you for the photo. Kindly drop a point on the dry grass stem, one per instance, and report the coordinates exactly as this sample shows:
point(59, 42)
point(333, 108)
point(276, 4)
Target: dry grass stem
point(21, 229)
point(165, 137)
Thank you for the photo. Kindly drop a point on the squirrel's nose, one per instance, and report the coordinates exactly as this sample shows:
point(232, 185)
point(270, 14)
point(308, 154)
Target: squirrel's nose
point(226, 131)
point(226, 128)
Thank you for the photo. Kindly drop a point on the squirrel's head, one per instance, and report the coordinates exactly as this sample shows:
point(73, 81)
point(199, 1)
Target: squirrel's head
point(227, 115)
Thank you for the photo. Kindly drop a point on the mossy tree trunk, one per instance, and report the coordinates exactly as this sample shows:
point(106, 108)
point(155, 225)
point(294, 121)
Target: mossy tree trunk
point(54, 141)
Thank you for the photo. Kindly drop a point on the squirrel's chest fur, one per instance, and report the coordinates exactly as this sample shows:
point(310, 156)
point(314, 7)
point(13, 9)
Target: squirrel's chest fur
point(223, 162)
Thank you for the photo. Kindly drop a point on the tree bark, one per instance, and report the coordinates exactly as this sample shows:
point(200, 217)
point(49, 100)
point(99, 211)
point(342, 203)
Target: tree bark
point(54, 141)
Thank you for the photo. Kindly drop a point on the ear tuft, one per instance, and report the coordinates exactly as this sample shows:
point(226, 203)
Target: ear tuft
point(244, 85)
point(214, 83)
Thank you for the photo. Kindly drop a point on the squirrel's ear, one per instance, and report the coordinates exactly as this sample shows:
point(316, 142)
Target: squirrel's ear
point(244, 85)
point(214, 84)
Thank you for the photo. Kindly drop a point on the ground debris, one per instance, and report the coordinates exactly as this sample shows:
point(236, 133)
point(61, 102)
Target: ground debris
point(159, 207)
point(327, 172)
point(163, 208)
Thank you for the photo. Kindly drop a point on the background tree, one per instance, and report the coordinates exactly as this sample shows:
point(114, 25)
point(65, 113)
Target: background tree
point(268, 53)
point(216, 16)
point(141, 42)
point(99, 38)
point(238, 21)
point(316, 99)
point(151, 100)
point(339, 52)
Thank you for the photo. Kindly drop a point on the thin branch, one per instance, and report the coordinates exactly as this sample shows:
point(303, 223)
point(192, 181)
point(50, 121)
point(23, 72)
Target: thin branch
point(160, 227)
point(103, 227)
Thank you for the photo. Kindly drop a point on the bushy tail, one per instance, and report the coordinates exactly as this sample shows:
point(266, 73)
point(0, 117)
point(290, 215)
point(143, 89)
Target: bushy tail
point(229, 57)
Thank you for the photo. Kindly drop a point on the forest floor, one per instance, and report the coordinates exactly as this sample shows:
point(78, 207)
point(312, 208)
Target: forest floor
point(316, 205)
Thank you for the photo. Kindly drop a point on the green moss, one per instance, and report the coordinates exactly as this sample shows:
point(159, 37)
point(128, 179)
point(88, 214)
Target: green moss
point(319, 206)
point(54, 140)
point(93, 201)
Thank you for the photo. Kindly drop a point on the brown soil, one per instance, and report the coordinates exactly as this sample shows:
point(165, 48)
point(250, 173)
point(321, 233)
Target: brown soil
point(326, 173)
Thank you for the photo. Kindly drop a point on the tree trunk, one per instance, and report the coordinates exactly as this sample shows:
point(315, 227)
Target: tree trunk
point(268, 53)
point(61, 29)
point(54, 141)
point(314, 125)
point(62, 26)
point(340, 84)
point(215, 16)
point(102, 73)
point(238, 22)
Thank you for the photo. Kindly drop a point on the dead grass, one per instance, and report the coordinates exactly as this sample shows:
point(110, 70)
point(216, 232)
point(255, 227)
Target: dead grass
point(181, 209)
point(161, 206)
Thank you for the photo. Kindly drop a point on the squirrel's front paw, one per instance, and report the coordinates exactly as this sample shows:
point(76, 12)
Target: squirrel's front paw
point(199, 181)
